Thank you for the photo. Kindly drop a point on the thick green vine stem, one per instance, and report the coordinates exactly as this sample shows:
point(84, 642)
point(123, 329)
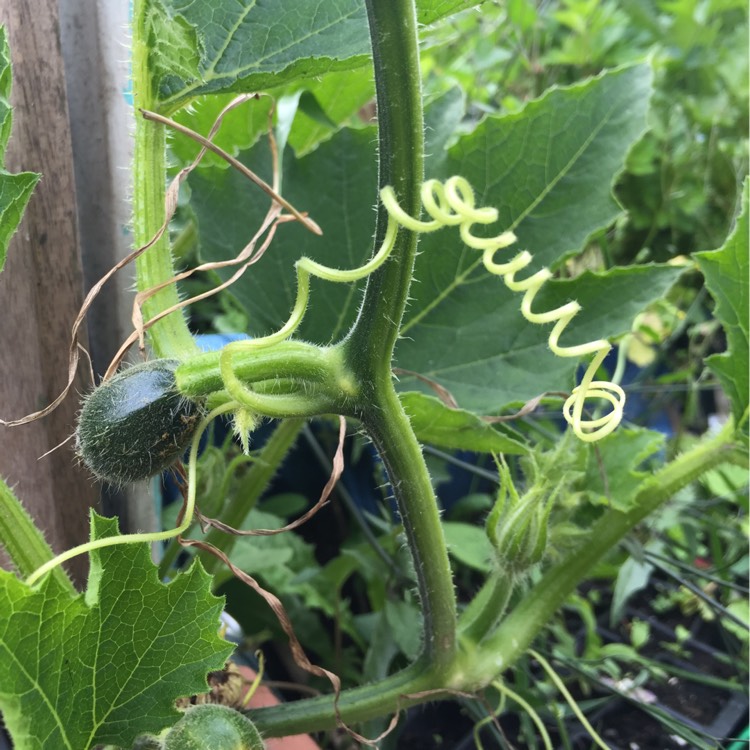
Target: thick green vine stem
point(401, 165)
point(170, 336)
point(369, 346)
point(23, 541)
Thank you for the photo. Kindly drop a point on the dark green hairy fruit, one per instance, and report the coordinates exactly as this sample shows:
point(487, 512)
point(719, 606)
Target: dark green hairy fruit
point(213, 727)
point(135, 424)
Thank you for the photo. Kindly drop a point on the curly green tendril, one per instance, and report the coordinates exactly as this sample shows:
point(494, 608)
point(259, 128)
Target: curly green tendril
point(450, 204)
point(280, 405)
point(454, 204)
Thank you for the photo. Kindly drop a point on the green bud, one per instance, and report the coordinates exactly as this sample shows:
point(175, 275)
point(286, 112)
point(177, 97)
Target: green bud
point(517, 525)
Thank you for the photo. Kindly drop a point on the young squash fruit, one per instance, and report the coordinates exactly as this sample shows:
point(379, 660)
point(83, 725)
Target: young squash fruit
point(136, 424)
point(213, 727)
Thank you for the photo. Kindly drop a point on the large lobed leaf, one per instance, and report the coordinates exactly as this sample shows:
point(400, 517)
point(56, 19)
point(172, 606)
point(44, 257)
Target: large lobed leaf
point(548, 170)
point(15, 189)
point(726, 272)
point(243, 45)
point(108, 665)
point(335, 185)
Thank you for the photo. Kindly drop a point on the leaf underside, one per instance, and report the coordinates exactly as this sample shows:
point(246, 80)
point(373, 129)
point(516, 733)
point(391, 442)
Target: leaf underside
point(244, 45)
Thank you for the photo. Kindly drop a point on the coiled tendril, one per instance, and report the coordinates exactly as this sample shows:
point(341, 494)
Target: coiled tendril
point(454, 204)
point(449, 204)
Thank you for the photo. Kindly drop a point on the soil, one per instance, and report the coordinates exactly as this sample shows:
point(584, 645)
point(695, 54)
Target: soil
point(628, 728)
point(699, 703)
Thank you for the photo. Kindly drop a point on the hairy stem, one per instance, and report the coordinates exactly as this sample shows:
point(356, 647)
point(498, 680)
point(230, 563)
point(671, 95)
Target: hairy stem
point(516, 633)
point(356, 705)
point(369, 346)
point(200, 376)
point(392, 434)
point(169, 337)
point(24, 542)
point(401, 165)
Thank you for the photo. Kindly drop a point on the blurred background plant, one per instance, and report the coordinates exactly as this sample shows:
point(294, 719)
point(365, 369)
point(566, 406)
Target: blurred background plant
point(681, 185)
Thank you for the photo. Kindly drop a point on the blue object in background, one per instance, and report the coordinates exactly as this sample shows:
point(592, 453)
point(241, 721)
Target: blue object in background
point(209, 342)
point(644, 408)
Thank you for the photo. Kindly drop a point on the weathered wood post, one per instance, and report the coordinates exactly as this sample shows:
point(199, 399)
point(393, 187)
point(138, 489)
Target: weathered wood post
point(41, 287)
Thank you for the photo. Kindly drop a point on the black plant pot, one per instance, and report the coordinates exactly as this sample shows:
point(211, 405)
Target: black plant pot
point(713, 713)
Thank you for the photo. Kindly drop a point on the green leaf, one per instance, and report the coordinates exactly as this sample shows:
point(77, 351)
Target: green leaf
point(478, 346)
point(326, 105)
point(15, 189)
point(726, 272)
point(336, 184)
point(469, 544)
point(240, 129)
point(6, 83)
point(455, 429)
point(405, 624)
point(442, 117)
point(108, 665)
point(614, 473)
point(242, 45)
point(256, 554)
point(285, 562)
point(429, 11)
point(548, 170)
point(633, 576)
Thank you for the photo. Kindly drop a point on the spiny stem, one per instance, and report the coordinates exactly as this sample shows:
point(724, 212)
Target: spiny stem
point(355, 705)
point(169, 337)
point(369, 345)
point(23, 541)
point(401, 166)
point(391, 432)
